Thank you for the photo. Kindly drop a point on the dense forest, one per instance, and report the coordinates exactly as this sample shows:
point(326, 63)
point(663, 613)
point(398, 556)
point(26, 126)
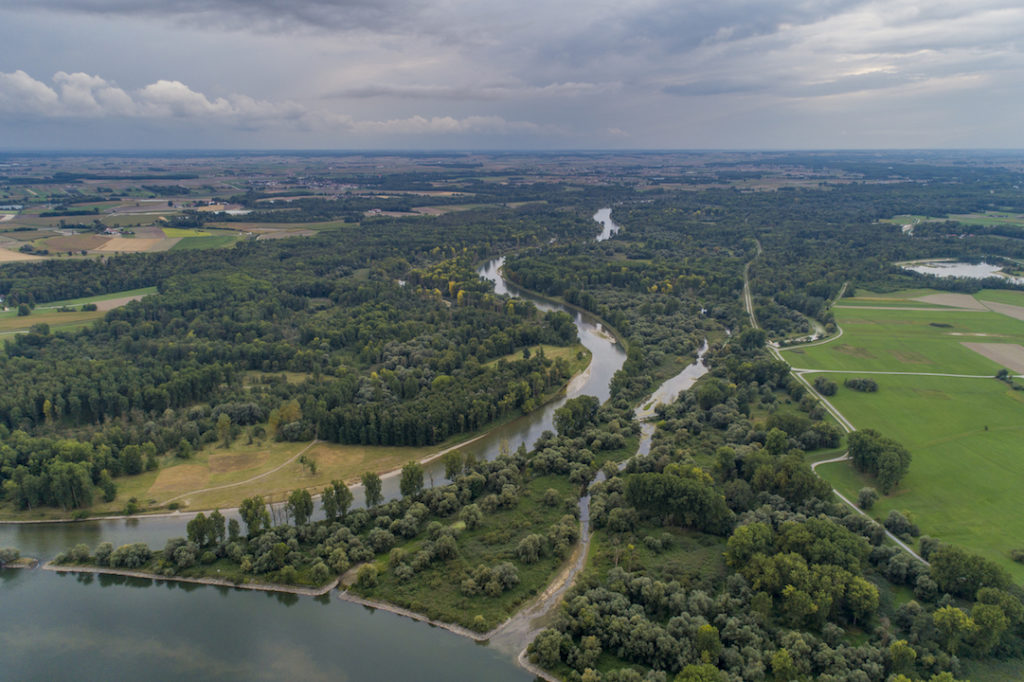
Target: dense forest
point(384, 361)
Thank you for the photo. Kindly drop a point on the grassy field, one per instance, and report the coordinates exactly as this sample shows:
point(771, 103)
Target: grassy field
point(198, 243)
point(213, 466)
point(247, 226)
point(910, 341)
point(567, 353)
point(175, 232)
point(46, 313)
point(964, 434)
point(989, 218)
point(436, 590)
point(1001, 296)
point(63, 321)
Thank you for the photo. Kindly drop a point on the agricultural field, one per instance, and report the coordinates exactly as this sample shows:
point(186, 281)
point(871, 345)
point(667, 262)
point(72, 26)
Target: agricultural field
point(985, 218)
point(910, 340)
point(964, 433)
point(204, 242)
point(48, 314)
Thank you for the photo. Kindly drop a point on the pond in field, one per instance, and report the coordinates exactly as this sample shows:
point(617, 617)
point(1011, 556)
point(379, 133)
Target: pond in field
point(958, 269)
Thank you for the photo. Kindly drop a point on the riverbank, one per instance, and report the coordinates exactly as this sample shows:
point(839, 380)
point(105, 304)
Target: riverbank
point(216, 582)
point(345, 595)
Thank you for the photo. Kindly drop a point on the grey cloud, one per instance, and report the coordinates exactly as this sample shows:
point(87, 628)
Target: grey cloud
point(482, 92)
point(713, 87)
point(244, 14)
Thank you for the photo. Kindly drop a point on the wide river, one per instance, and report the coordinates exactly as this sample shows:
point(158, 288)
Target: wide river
point(63, 626)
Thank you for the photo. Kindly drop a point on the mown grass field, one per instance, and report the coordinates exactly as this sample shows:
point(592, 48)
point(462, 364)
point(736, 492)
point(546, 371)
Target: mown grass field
point(199, 243)
point(964, 434)
point(46, 313)
point(1001, 296)
point(175, 232)
point(910, 341)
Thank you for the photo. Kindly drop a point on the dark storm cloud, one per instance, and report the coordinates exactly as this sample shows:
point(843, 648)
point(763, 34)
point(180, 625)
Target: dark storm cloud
point(265, 14)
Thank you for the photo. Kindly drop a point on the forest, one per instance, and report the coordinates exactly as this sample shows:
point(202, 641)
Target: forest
point(717, 555)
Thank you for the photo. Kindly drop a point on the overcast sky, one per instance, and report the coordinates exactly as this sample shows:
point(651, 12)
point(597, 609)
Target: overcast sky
point(522, 74)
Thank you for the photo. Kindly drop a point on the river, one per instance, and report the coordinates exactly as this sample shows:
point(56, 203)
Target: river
point(59, 626)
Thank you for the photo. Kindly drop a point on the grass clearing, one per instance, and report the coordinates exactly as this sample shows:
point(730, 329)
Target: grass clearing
point(567, 353)
point(692, 558)
point(46, 313)
point(201, 243)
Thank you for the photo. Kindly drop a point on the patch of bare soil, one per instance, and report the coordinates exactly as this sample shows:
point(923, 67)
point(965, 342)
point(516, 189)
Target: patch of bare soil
point(14, 256)
point(965, 301)
point(1014, 311)
point(1009, 355)
point(112, 303)
point(128, 244)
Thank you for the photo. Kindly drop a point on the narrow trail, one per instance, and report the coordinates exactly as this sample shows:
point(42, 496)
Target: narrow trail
point(843, 421)
point(845, 457)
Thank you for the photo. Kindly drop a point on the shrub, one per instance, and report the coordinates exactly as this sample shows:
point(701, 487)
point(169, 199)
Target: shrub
point(825, 387)
point(367, 576)
point(79, 553)
point(862, 385)
point(529, 548)
point(319, 573)
point(103, 552)
point(866, 498)
point(8, 554)
point(134, 555)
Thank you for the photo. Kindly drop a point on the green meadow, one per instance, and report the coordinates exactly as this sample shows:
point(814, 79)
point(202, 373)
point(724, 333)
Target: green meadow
point(1001, 296)
point(910, 341)
point(965, 434)
point(212, 242)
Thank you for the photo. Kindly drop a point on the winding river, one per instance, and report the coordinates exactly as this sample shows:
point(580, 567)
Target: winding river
point(59, 626)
